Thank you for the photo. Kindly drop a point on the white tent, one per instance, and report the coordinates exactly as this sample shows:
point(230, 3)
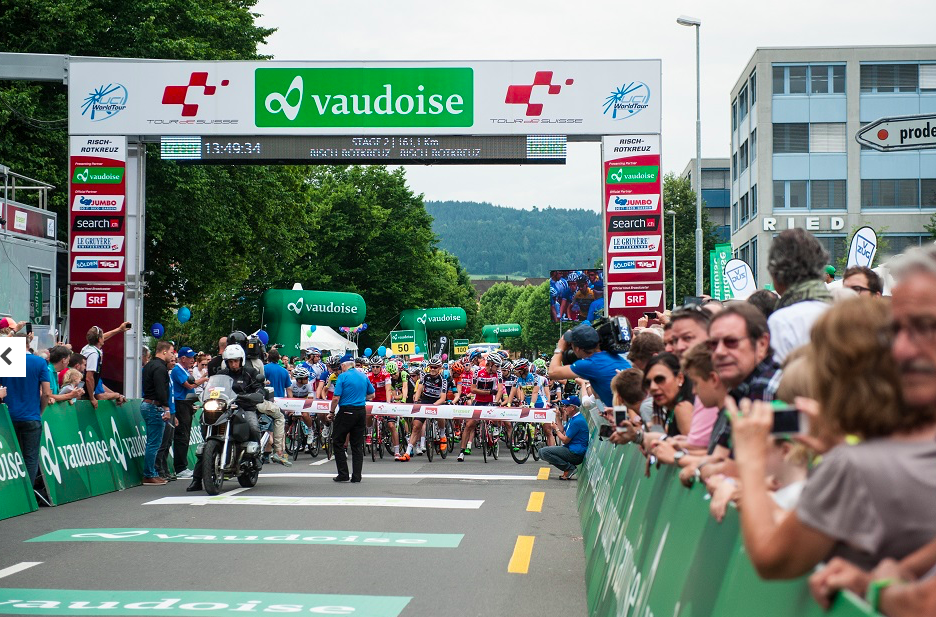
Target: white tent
point(326, 339)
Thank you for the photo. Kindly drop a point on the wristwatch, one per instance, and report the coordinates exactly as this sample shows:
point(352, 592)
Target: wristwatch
point(679, 454)
point(557, 350)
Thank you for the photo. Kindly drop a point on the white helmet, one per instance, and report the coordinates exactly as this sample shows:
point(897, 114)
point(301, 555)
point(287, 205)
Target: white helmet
point(234, 352)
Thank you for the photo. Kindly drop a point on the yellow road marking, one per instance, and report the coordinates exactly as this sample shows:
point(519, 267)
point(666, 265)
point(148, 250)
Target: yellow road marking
point(543, 473)
point(523, 550)
point(536, 502)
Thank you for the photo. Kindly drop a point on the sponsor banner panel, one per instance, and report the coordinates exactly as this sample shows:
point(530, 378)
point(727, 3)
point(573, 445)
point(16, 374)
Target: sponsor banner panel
point(97, 192)
point(596, 97)
point(632, 300)
point(718, 259)
point(16, 493)
point(103, 306)
point(255, 536)
point(441, 412)
point(648, 244)
point(28, 221)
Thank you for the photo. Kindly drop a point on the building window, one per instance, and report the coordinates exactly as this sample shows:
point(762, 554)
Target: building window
point(742, 104)
point(734, 166)
point(753, 145)
point(715, 179)
point(897, 244)
point(838, 79)
point(827, 137)
point(928, 193)
point(796, 79)
point(890, 77)
point(753, 201)
point(796, 193)
point(743, 156)
point(745, 206)
point(779, 80)
point(835, 245)
point(826, 194)
point(734, 216)
point(812, 79)
point(790, 138)
point(753, 262)
point(734, 115)
point(927, 78)
point(890, 193)
point(754, 89)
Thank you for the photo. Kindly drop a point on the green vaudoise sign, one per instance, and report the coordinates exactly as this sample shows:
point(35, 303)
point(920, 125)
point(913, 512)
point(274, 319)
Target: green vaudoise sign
point(286, 310)
point(16, 493)
point(493, 333)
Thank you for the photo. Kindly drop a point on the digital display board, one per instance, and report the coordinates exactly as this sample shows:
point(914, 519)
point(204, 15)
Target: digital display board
point(380, 150)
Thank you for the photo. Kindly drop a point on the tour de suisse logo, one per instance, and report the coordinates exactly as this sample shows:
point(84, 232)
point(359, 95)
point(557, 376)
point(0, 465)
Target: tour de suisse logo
point(522, 94)
point(104, 102)
point(628, 100)
point(178, 95)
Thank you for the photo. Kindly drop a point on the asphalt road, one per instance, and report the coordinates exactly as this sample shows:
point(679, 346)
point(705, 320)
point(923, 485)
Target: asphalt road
point(119, 549)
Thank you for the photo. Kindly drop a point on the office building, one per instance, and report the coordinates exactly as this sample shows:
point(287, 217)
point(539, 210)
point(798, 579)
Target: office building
point(716, 193)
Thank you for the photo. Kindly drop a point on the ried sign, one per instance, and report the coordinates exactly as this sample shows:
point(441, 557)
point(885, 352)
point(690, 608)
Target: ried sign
point(900, 133)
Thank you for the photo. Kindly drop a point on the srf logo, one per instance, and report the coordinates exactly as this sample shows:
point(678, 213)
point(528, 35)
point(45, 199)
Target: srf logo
point(177, 95)
point(539, 415)
point(521, 94)
point(431, 411)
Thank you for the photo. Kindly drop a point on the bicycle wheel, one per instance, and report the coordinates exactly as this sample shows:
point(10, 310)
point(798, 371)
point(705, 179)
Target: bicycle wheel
point(388, 438)
point(430, 433)
point(495, 444)
point(449, 440)
point(535, 442)
point(316, 444)
point(482, 438)
point(373, 446)
point(327, 444)
point(519, 448)
point(378, 438)
point(293, 440)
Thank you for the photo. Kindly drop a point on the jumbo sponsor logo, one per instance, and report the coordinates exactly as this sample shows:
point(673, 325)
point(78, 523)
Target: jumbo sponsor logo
point(634, 244)
point(633, 203)
point(98, 203)
point(634, 265)
point(98, 175)
point(97, 244)
point(634, 223)
point(97, 264)
point(98, 223)
point(364, 97)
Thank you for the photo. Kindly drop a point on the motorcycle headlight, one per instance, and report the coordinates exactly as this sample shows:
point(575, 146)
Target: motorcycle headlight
point(213, 405)
point(212, 411)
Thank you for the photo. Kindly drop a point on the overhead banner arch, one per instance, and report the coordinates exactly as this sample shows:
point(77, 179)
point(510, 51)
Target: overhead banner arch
point(286, 310)
point(493, 333)
point(423, 321)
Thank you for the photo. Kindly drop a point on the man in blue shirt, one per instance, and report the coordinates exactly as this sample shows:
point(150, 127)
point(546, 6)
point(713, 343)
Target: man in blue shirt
point(598, 367)
point(574, 438)
point(277, 376)
point(25, 399)
point(352, 390)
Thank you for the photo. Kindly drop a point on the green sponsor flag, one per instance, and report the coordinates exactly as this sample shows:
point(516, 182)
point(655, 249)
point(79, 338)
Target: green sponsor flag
point(718, 258)
point(16, 494)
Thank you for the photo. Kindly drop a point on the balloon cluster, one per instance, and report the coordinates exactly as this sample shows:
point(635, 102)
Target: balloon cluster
point(355, 329)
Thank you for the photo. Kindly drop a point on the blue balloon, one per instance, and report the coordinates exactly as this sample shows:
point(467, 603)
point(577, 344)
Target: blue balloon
point(311, 330)
point(363, 326)
point(157, 330)
point(368, 352)
point(184, 314)
point(417, 348)
point(263, 336)
point(381, 351)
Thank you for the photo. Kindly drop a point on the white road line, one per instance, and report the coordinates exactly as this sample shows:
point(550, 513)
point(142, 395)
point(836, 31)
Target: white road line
point(18, 568)
point(263, 500)
point(403, 476)
point(235, 491)
point(323, 461)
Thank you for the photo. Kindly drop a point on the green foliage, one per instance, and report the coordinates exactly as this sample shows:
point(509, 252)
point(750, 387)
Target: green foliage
point(499, 240)
point(527, 306)
point(679, 197)
point(931, 226)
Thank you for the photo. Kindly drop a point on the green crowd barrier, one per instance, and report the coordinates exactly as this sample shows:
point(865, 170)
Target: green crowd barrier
point(16, 495)
point(652, 548)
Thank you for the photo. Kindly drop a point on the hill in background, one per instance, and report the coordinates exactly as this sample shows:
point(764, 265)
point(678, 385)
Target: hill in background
point(495, 240)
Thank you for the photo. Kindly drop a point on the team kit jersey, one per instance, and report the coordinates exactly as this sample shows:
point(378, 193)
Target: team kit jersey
point(526, 385)
point(509, 382)
point(464, 385)
point(332, 378)
point(487, 382)
point(434, 388)
point(303, 391)
point(379, 378)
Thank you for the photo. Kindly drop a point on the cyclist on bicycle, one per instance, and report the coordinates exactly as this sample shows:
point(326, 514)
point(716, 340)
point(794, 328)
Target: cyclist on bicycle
point(334, 369)
point(396, 380)
point(529, 389)
point(302, 389)
point(485, 387)
point(383, 393)
point(508, 381)
point(430, 391)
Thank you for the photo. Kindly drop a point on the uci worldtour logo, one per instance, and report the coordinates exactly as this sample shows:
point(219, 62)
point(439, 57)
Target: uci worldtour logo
point(628, 100)
point(633, 203)
point(105, 102)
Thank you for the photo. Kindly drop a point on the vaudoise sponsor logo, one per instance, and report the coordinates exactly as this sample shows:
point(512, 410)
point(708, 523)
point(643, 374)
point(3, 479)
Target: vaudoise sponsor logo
point(368, 97)
point(633, 203)
point(634, 265)
point(97, 244)
point(97, 263)
point(98, 175)
point(98, 203)
point(634, 244)
point(627, 100)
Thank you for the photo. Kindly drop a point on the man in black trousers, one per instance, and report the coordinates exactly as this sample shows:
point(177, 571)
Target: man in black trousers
point(352, 390)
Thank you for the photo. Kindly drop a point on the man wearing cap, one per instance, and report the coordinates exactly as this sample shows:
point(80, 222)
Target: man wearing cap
point(829, 274)
point(574, 438)
point(183, 385)
point(598, 367)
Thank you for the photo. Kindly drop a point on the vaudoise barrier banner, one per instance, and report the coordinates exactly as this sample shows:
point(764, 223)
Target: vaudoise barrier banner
point(652, 548)
point(421, 411)
point(16, 495)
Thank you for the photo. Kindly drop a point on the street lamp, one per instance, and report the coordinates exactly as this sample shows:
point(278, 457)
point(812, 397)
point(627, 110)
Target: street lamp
point(683, 20)
point(672, 213)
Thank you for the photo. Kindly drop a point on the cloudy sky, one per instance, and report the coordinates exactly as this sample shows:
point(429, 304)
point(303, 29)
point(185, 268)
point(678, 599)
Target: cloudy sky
point(550, 29)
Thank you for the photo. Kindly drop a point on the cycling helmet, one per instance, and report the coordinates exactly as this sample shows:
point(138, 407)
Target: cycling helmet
point(313, 351)
point(539, 363)
point(333, 361)
point(301, 373)
point(494, 358)
point(392, 367)
point(541, 370)
point(237, 338)
point(376, 361)
point(234, 352)
point(503, 352)
point(507, 366)
point(360, 361)
point(435, 362)
point(475, 353)
point(521, 364)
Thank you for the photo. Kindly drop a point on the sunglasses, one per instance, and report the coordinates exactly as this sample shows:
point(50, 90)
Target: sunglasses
point(858, 289)
point(658, 380)
point(205, 365)
point(730, 342)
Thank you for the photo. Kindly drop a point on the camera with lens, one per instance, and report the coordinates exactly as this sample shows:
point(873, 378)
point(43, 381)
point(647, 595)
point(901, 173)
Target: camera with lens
point(255, 349)
point(614, 333)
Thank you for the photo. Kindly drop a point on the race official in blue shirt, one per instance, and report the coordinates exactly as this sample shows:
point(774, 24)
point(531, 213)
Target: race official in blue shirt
point(574, 438)
point(352, 390)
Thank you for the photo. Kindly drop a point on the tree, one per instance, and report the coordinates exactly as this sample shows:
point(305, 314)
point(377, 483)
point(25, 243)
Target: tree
point(679, 196)
point(931, 226)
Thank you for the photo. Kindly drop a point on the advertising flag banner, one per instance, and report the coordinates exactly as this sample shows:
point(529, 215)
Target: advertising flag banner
point(439, 412)
point(862, 249)
point(740, 278)
point(16, 493)
point(633, 225)
point(718, 258)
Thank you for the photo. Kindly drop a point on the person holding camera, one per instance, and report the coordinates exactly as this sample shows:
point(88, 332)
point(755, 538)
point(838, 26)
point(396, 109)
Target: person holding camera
point(94, 355)
point(579, 354)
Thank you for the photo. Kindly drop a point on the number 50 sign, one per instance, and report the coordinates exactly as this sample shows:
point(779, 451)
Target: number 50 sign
point(403, 342)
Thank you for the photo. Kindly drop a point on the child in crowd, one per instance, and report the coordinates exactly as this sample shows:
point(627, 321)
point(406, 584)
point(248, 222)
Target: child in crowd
point(71, 381)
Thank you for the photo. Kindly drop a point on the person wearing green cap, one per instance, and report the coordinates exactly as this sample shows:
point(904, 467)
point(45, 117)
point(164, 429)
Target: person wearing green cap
point(829, 274)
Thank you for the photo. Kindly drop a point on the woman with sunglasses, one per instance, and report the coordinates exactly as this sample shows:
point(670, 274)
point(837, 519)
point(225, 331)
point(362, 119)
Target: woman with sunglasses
point(671, 391)
point(199, 370)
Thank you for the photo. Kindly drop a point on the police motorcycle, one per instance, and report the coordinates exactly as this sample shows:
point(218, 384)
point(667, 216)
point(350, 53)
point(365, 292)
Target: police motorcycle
point(228, 450)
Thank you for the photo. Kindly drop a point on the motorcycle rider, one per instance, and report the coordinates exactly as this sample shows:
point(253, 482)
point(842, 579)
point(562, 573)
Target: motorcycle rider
point(248, 385)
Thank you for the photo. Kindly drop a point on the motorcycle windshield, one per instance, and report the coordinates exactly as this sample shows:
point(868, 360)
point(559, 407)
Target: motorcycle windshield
point(219, 387)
